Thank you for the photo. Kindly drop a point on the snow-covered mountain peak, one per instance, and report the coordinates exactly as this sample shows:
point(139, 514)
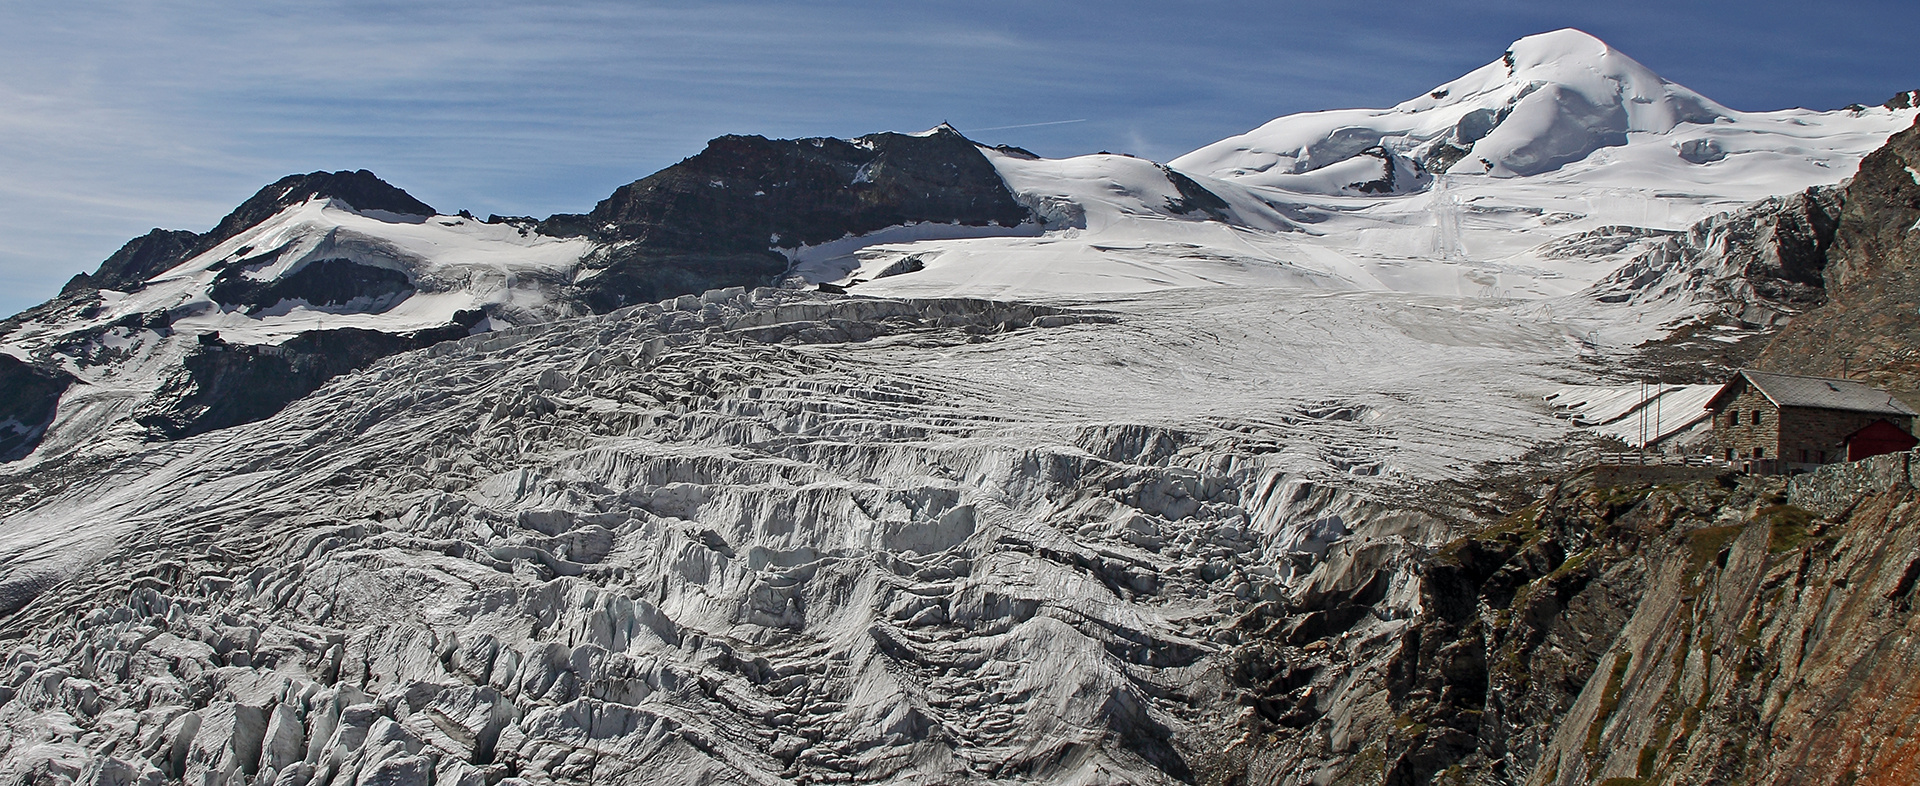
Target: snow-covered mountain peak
point(1548, 101)
point(943, 128)
point(1571, 61)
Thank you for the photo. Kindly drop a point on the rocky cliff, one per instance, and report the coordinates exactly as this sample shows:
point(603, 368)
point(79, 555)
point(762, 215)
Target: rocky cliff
point(1617, 630)
point(1770, 644)
point(721, 218)
point(1870, 326)
point(28, 396)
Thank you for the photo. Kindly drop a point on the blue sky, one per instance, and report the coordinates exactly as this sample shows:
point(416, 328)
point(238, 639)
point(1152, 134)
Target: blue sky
point(119, 117)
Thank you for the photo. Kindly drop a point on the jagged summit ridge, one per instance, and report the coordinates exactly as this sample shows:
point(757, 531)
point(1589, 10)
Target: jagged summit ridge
point(360, 188)
point(160, 250)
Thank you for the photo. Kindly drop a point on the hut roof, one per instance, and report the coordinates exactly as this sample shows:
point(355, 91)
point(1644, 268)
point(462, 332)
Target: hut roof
point(1793, 390)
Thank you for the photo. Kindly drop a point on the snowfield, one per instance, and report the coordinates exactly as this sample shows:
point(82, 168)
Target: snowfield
point(1590, 139)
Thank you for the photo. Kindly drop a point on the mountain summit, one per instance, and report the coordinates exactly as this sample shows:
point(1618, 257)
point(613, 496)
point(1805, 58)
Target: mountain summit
point(1549, 100)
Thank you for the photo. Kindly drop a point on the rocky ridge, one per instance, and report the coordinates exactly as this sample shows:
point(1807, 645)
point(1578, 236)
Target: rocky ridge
point(721, 218)
point(1870, 325)
point(1617, 630)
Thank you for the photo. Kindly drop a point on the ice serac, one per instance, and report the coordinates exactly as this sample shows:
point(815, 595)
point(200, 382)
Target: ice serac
point(1759, 265)
point(721, 218)
point(1550, 100)
point(749, 536)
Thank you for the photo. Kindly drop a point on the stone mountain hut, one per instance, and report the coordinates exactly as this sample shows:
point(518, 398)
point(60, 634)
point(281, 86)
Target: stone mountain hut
point(1785, 422)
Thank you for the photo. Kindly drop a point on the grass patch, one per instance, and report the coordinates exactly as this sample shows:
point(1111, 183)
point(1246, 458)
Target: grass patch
point(1789, 526)
point(1369, 766)
point(1520, 528)
point(1609, 700)
point(1615, 500)
point(1705, 544)
point(1523, 524)
point(1570, 566)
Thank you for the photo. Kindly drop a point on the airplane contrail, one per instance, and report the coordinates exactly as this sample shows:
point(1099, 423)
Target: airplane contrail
point(1031, 125)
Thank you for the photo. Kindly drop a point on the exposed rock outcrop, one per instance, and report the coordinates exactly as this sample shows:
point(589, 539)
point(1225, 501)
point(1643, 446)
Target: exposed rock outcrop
point(140, 259)
point(1449, 666)
point(1870, 325)
point(325, 282)
point(28, 396)
point(221, 384)
point(719, 218)
point(1769, 647)
point(1720, 631)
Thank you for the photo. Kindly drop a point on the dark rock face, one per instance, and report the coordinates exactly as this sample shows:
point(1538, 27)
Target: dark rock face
point(1621, 630)
point(360, 188)
point(28, 396)
point(325, 282)
point(1383, 184)
point(140, 259)
point(1193, 196)
point(1513, 621)
point(1871, 322)
point(748, 193)
point(713, 220)
point(626, 277)
point(223, 384)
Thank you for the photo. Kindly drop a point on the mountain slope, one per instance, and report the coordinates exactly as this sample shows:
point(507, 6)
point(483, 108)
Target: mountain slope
point(1870, 325)
point(180, 333)
point(1576, 139)
point(304, 269)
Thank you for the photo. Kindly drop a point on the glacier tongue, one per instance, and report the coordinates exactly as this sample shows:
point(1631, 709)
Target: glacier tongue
point(748, 537)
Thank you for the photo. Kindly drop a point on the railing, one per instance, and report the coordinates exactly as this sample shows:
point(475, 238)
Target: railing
point(1637, 459)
